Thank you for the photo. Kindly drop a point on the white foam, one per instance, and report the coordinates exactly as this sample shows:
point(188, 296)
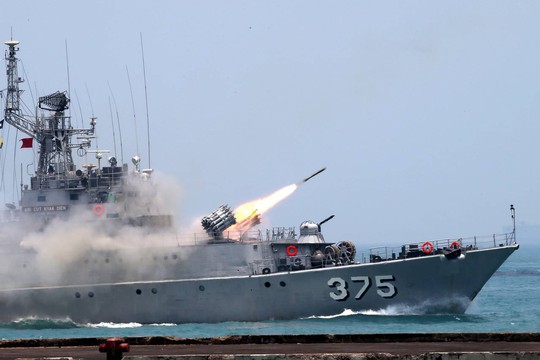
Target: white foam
point(426, 307)
point(111, 325)
point(346, 312)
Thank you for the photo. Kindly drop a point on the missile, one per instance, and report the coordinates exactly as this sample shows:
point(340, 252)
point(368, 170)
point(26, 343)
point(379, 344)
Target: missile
point(313, 175)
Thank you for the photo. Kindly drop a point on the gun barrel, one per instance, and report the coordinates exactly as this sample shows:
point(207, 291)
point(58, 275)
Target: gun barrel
point(327, 219)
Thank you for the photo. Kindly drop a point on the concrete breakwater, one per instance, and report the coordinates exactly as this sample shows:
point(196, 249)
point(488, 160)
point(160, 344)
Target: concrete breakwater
point(442, 346)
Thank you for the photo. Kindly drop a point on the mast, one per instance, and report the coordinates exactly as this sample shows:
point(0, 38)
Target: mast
point(12, 110)
point(52, 133)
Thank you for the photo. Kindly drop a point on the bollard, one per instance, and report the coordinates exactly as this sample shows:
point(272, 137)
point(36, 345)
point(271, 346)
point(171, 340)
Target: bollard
point(114, 347)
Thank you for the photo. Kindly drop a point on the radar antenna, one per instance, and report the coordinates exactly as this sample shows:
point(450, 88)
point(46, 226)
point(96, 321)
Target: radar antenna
point(54, 102)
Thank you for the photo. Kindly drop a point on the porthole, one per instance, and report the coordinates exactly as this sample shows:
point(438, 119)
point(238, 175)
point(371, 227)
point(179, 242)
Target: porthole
point(77, 295)
point(165, 257)
point(282, 283)
point(138, 291)
point(154, 291)
point(201, 288)
point(107, 260)
point(175, 256)
point(267, 284)
point(91, 294)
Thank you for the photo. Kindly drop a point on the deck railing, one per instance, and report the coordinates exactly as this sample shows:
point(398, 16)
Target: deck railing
point(437, 246)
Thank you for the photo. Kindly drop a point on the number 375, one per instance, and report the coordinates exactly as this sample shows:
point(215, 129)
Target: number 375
point(385, 289)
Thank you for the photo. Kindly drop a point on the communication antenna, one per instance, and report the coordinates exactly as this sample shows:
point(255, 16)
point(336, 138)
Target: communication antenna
point(79, 105)
point(513, 213)
point(133, 107)
point(89, 99)
point(68, 81)
point(118, 122)
point(2, 158)
point(146, 101)
point(113, 132)
point(93, 117)
point(28, 82)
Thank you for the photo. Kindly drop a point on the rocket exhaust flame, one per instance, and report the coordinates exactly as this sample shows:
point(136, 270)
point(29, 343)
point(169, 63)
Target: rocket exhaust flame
point(248, 214)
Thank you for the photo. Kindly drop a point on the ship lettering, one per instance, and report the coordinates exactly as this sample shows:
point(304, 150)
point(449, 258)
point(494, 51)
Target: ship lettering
point(385, 289)
point(50, 208)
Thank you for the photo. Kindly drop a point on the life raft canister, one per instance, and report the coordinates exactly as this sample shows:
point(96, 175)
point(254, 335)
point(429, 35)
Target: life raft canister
point(455, 245)
point(98, 210)
point(427, 248)
point(291, 250)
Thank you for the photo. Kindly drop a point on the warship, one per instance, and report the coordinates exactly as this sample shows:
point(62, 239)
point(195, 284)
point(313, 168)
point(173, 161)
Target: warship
point(90, 243)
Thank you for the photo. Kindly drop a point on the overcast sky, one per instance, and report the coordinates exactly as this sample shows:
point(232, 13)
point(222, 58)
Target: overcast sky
point(425, 113)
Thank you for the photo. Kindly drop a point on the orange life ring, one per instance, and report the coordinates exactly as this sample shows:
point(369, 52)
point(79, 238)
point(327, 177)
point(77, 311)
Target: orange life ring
point(455, 245)
point(427, 248)
point(98, 210)
point(291, 250)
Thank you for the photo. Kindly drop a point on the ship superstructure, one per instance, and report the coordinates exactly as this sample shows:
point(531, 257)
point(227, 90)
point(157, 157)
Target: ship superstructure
point(58, 186)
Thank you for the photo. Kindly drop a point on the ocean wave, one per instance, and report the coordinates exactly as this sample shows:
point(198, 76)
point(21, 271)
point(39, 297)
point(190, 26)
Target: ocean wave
point(397, 310)
point(518, 272)
point(36, 323)
point(446, 307)
point(346, 312)
point(130, 325)
point(389, 311)
point(112, 325)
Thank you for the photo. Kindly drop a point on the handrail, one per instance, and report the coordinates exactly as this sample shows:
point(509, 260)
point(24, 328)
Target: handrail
point(415, 249)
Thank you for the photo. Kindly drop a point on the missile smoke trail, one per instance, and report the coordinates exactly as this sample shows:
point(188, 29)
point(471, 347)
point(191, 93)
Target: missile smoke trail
point(248, 214)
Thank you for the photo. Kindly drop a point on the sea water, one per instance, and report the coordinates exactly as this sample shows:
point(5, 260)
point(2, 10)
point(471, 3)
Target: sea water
point(509, 302)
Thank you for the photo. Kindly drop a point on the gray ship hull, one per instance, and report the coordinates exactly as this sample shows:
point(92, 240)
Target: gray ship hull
point(96, 243)
point(428, 284)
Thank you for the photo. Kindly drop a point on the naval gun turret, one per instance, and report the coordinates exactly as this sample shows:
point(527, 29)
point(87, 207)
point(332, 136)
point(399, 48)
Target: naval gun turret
point(310, 232)
point(341, 253)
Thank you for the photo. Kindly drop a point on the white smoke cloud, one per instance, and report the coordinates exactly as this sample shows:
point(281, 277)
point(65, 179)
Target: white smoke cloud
point(73, 250)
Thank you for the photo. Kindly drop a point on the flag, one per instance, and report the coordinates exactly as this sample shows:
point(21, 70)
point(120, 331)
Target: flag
point(27, 142)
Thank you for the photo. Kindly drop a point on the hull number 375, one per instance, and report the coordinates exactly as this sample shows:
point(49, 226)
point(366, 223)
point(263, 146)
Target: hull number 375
point(385, 288)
